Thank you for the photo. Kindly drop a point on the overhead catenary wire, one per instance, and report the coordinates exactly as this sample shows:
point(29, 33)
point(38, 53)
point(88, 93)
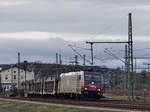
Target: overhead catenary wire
point(107, 28)
point(80, 47)
point(110, 53)
point(78, 54)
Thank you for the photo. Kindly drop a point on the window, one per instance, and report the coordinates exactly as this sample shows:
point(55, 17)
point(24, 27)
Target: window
point(14, 71)
point(87, 77)
point(22, 77)
point(14, 76)
point(92, 78)
point(6, 77)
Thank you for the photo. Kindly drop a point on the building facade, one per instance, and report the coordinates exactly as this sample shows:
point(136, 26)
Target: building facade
point(9, 78)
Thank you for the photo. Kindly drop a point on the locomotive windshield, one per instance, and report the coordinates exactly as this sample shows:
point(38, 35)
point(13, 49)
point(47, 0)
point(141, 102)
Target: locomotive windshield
point(95, 78)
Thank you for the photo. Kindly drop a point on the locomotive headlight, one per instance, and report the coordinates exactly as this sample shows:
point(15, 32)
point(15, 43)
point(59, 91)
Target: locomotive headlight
point(98, 89)
point(92, 83)
point(85, 88)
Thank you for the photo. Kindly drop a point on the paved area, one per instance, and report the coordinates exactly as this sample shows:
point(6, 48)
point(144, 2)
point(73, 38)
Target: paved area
point(90, 109)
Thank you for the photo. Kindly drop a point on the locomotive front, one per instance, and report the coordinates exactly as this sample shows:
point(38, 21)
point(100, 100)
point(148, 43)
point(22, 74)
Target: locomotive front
point(92, 85)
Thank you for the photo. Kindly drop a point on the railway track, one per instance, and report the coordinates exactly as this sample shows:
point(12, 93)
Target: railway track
point(107, 103)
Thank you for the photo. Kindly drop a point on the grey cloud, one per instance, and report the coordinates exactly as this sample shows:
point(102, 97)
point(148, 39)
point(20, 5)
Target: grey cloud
point(108, 17)
point(45, 50)
point(70, 16)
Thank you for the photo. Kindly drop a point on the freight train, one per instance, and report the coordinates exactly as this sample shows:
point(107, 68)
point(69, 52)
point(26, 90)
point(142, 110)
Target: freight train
point(73, 84)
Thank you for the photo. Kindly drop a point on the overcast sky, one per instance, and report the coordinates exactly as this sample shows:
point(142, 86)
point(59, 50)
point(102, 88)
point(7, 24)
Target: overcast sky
point(40, 28)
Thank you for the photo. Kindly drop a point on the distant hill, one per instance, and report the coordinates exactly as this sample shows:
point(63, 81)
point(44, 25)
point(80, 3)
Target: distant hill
point(44, 69)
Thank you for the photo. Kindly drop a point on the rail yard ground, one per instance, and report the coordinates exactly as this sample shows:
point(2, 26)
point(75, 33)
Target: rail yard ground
point(125, 98)
point(12, 105)
point(140, 96)
point(113, 101)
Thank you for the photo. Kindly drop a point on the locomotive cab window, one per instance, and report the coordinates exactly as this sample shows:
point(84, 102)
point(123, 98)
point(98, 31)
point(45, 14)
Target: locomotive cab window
point(92, 77)
point(79, 77)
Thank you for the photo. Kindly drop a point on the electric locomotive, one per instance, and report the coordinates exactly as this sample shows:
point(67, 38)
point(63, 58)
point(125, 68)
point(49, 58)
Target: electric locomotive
point(82, 84)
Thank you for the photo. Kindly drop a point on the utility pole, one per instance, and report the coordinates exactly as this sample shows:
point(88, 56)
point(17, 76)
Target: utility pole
point(76, 60)
point(56, 58)
point(129, 56)
point(92, 51)
point(84, 59)
point(25, 69)
point(148, 67)
point(126, 72)
point(19, 83)
point(135, 75)
point(12, 78)
point(92, 62)
point(135, 65)
point(60, 61)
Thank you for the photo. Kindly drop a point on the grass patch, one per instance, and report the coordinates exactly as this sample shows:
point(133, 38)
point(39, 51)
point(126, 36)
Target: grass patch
point(115, 97)
point(123, 97)
point(6, 105)
point(26, 107)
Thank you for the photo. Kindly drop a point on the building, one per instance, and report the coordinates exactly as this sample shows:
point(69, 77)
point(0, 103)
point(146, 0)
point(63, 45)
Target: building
point(9, 74)
point(9, 77)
